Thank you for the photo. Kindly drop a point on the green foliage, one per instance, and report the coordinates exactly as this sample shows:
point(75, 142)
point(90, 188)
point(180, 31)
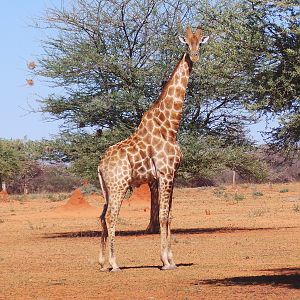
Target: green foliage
point(284, 191)
point(89, 189)
point(84, 150)
point(10, 160)
point(207, 156)
point(112, 75)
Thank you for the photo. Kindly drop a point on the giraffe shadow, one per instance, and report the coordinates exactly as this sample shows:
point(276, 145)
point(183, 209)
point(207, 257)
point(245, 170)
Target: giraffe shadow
point(181, 231)
point(155, 266)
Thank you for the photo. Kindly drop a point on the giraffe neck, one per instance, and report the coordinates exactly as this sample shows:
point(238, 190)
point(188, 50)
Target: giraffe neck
point(165, 114)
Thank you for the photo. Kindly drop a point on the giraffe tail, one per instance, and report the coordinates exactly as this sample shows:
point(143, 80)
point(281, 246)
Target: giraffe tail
point(105, 195)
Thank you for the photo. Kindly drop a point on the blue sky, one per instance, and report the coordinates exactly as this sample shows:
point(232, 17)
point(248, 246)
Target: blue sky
point(22, 43)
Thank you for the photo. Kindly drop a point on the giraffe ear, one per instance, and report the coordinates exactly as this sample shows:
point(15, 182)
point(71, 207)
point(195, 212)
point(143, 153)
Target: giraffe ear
point(182, 39)
point(204, 39)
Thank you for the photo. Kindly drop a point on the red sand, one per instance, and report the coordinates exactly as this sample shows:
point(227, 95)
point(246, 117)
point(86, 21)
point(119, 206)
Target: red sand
point(246, 249)
point(3, 196)
point(142, 193)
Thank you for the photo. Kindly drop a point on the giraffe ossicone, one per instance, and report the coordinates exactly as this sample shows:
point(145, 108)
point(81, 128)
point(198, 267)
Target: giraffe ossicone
point(150, 155)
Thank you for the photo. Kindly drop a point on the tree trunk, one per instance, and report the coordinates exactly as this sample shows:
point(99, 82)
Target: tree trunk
point(233, 178)
point(153, 226)
point(3, 184)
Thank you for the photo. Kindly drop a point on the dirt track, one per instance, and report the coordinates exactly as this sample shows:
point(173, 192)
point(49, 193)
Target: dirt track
point(239, 243)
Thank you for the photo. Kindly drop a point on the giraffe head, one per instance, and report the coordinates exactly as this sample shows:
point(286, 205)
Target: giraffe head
point(193, 40)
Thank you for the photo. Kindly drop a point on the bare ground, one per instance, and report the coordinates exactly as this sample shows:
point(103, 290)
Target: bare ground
point(241, 243)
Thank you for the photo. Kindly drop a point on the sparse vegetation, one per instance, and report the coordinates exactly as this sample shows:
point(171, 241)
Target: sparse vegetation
point(257, 194)
point(296, 208)
point(89, 189)
point(284, 191)
point(258, 212)
point(218, 193)
point(238, 197)
point(57, 197)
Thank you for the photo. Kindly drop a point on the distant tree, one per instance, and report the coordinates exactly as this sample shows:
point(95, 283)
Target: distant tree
point(10, 161)
point(205, 157)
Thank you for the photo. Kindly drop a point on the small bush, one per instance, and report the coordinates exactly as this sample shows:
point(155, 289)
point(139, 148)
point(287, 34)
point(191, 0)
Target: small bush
point(284, 191)
point(238, 197)
point(257, 194)
point(57, 197)
point(89, 189)
point(296, 207)
point(258, 212)
point(218, 193)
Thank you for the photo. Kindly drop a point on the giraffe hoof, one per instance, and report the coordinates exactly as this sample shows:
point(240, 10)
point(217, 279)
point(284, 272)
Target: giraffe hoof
point(169, 267)
point(115, 270)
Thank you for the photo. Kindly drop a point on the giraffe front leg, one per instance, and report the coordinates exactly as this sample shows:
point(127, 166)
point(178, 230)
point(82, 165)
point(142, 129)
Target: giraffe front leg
point(165, 194)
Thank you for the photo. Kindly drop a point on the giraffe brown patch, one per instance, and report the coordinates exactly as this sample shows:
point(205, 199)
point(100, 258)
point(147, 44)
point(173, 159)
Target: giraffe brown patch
point(171, 160)
point(169, 149)
point(149, 150)
point(150, 125)
point(184, 81)
point(141, 169)
point(178, 105)
point(164, 132)
point(171, 91)
point(167, 124)
point(138, 165)
point(167, 114)
point(143, 154)
point(162, 105)
point(155, 140)
point(147, 139)
point(156, 131)
point(161, 116)
point(174, 115)
point(168, 102)
point(149, 114)
point(179, 93)
point(142, 131)
point(122, 152)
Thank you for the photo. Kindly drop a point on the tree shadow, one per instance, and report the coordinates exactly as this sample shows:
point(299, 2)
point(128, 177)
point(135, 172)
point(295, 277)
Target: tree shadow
point(288, 278)
point(96, 233)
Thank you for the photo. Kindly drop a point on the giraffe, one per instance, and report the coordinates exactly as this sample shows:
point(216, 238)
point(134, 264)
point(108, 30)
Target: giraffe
point(150, 155)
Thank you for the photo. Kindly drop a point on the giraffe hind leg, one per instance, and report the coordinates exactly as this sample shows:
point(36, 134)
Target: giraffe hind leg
point(104, 232)
point(111, 219)
point(104, 235)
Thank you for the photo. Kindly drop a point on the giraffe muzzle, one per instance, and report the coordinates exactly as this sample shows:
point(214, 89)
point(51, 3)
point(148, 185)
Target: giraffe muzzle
point(194, 57)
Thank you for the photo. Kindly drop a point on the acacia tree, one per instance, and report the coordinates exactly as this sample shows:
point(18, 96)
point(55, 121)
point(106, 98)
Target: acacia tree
point(112, 68)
